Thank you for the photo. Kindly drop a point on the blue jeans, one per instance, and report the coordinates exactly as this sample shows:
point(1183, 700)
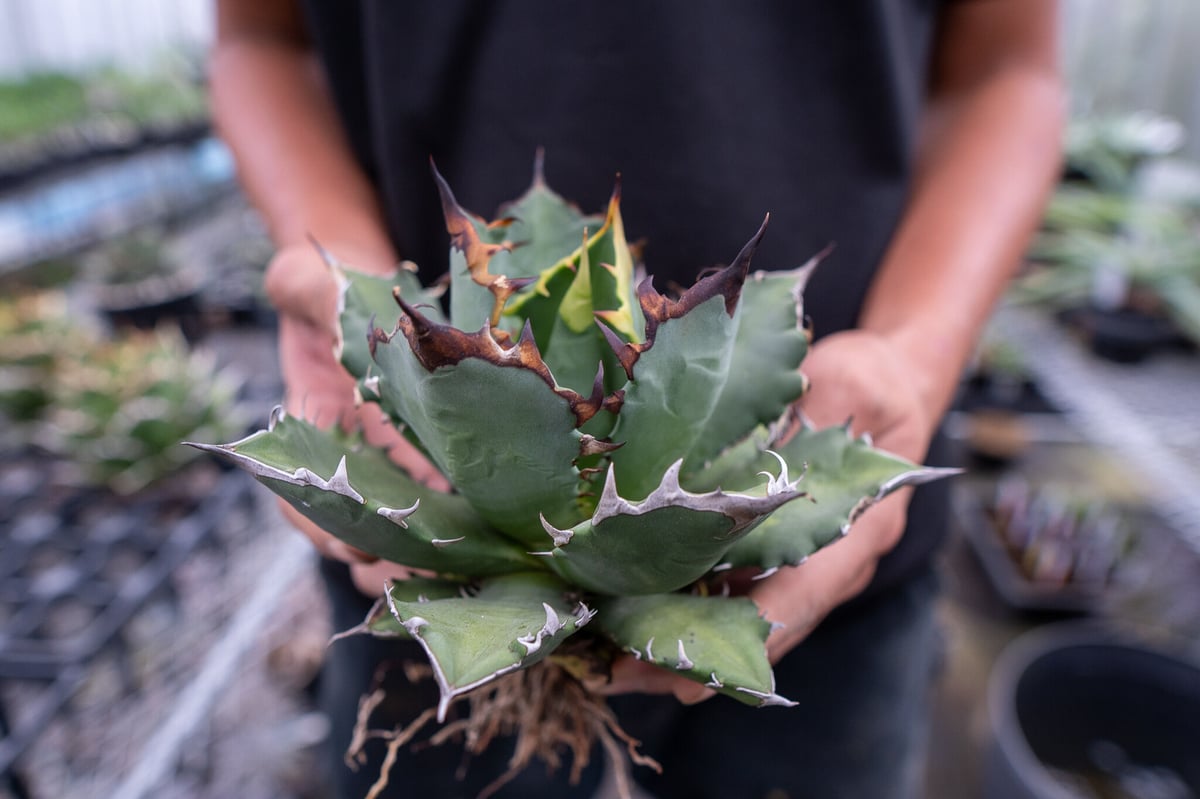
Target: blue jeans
point(862, 680)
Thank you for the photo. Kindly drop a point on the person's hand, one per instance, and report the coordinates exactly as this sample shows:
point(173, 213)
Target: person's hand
point(303, 290)
point(860, 376)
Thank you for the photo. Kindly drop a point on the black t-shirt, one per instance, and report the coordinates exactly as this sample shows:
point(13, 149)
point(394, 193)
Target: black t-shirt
point(714, 113)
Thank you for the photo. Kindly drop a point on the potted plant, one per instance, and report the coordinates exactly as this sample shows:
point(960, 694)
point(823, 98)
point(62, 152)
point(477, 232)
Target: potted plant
point(1107, 151)
point(1125, 274)
point(139, 283)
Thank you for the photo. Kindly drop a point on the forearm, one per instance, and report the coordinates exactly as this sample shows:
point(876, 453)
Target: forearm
point(989, 156)
point(271, 106)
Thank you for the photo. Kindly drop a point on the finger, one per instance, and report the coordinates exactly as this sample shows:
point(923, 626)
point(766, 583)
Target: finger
point(635, 676)
point(372, 578)
point(300, 285)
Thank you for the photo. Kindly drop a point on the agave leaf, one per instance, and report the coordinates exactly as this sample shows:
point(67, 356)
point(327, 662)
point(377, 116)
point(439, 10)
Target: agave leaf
point(545, 227)
point(718, 641)
point(662, 543)
point(488, 261)
point(763, 378)
point(359, 495)
point(677, 374)
point(366, 302)
point(379, 620)
point(511, 623)
point(562, 306)
point(511, 451)
point(844, 477)
point(734, 465)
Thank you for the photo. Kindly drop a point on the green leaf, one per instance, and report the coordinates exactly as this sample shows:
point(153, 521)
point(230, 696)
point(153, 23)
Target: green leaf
point(379, 620)
point(673, 393)
point(562, 307)
point(511, 623)
point(717, 641)
point(502, 436)
point(845, 476)
point(666, 541)
point(367, 303)
point(357, 494)
point(763, 377)
point(534, 233)
point(678, 373)
point(545, 228)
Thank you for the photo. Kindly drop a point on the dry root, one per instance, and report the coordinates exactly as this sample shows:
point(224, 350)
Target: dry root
point(547, 710)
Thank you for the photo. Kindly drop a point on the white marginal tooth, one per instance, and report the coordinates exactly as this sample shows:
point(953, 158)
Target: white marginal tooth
point(340, 483)
point(398, 515)
point(531, 642)
point(441, 543)
point(561, 537)
point(767, 700)
point(685, 662)
point(776, 626)
point(649, 653)
point(414, 625)
point(764, 575)
point(278, 414)
point(553, 624)
point(583, 614)
point(713, 682)
point(422, 599)
point(637, 653)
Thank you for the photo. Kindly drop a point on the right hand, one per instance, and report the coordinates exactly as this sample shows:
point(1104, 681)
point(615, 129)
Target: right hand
point(303, 290)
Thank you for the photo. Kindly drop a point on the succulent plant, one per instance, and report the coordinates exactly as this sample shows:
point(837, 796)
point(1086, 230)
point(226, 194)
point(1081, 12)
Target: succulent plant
point(115, 409)
point(1113, 251)
point(613, 451)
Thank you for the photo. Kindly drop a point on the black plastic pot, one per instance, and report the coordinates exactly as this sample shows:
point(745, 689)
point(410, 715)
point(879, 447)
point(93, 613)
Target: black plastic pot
point(1123, 335)
point(148, 303)
point(1079, 712)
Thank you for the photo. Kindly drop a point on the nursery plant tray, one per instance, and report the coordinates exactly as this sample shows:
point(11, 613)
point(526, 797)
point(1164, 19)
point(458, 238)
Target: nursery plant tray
point(75, 569)
point(1012, 585)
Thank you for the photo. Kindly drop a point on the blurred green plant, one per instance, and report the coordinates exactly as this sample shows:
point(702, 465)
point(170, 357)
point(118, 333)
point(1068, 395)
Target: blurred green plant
point(114, 408)
point(1108, 150)
point(1111, 242)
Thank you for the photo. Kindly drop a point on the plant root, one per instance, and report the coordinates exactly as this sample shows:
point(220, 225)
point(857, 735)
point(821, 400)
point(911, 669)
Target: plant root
point(548, 711)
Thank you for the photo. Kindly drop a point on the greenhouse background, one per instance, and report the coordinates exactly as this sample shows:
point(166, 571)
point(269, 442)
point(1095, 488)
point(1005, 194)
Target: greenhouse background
point(132, 317)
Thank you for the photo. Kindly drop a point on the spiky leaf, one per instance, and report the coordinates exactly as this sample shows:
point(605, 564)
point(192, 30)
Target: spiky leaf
point(764, 377)
point(490, 419)
point(845, 476)
point(510, 623)
point(664, 542)
point(717, 641)
point(370, 502)
point(677, 374)
point(366, 302)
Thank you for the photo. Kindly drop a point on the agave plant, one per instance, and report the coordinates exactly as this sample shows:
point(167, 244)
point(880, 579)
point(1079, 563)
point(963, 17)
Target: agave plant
point(613, 452)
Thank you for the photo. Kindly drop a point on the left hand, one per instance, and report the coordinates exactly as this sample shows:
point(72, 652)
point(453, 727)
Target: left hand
point(859, 375)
